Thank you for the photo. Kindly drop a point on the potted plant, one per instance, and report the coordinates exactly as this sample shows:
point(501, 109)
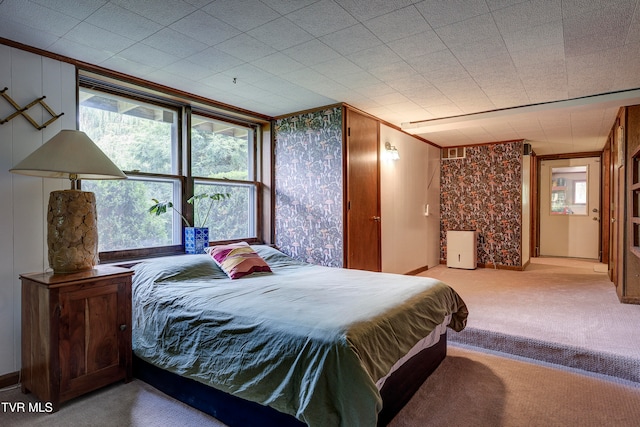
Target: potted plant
point(196, 237)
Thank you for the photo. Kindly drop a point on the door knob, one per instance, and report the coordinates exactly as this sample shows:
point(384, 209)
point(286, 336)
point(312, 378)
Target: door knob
point(595, 218)
point(375, 218)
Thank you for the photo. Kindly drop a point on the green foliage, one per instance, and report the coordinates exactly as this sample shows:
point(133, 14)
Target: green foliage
point(161, 206)
point(142, 144)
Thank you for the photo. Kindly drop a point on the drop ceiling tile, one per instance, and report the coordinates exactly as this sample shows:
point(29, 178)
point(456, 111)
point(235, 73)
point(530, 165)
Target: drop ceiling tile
point(188, 70)
point(444, 75)
point(591, 44)
point(499, 66)
point(277, 63)
point(460, 89)
point(434, 61)
point(613, 21)
point(358, 80)
point(281, 34)
point(376, 89)
point(123, 22)
point(126, 66)
point(215, 60)
point(143, 54)
point(78, 9)
point(501, 4)
point(507, 97)
point(428, 97)
point(527, 14)
point(336, 68)
point(98, 38)
point(442, 13)
point(174, 43)
point(247, 73)
point(242, 14)
point(398, 24)
point(374, 57)
point(633, 36)
point(365, 10)
point(162, 15)
point(626, 75)
point(80, 52)
point(311, 53)
point(390, 98)
point(393, 71)
point(198, 3)
point(405, 108)
point(480, 50)
point(37, 17)
point(541, 56)
point(287, 6)
point(322, 18)
point(24, 34)
point(409, 85)
point(470, 31)
point(205, 28)
point(417, 45)
point(245, 48)
point(578, 7)
point(351, 40)
point(540, 36)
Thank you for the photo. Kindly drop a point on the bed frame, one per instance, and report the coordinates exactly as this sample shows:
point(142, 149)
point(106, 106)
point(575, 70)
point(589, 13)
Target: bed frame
point(236, 412)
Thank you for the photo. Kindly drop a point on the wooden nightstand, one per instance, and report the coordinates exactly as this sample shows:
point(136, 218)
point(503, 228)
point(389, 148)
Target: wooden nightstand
point(76, 332)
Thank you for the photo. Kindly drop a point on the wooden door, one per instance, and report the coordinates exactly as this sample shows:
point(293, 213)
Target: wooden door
point(363, 245)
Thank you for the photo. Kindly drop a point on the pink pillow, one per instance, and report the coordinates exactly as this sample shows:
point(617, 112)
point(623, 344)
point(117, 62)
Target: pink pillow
point(238, 259)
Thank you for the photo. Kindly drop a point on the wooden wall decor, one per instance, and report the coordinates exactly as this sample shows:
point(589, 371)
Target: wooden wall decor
point(23, 111)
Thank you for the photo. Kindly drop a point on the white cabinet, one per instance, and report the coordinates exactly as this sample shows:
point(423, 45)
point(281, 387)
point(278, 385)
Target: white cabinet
point(462, 249)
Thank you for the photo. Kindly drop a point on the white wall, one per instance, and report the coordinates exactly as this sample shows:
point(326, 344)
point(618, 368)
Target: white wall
point(24, 199)
point(410, 240)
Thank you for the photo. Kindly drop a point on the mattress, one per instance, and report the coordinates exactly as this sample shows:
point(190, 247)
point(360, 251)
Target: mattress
point(306, 340)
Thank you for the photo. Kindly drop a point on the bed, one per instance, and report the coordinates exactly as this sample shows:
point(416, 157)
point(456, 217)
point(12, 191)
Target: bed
point(299, 345)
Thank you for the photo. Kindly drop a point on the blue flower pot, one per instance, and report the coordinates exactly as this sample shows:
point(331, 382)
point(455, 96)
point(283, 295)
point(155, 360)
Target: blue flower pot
point(195, 239)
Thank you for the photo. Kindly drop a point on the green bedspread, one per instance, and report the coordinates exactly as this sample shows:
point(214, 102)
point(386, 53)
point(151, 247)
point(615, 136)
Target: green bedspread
point(307, 340)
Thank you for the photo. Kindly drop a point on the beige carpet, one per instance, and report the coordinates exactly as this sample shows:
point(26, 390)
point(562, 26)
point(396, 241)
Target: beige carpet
point(556, 300)
point(469, 388)
point(558, 310)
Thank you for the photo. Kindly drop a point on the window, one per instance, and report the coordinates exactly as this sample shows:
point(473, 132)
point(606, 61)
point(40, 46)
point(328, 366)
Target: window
point(569, 190)
point(222, 161)
point(144, 138)
point(580, 192)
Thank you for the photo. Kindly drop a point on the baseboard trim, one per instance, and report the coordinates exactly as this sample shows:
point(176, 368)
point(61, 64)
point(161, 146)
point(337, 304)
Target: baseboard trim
point(417, 271)
point(10, 379)
point(630, 300)
point(496, 266)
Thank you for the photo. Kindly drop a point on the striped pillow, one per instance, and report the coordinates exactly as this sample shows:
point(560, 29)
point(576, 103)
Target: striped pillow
point(238, 259)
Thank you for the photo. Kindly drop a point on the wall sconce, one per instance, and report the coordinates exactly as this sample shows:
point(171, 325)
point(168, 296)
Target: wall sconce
point(391, 152)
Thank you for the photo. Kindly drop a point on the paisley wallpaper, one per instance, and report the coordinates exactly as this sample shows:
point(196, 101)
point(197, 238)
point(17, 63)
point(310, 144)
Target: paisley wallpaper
point(309, 187)
point(483, 192)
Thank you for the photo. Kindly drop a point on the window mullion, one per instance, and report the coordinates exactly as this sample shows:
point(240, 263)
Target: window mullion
point(186, 155)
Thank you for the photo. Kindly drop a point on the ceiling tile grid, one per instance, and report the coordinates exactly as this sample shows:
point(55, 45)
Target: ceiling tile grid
point(404, 61)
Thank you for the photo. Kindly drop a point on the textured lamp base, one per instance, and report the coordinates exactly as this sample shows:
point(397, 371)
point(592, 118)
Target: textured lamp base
point(72, 233)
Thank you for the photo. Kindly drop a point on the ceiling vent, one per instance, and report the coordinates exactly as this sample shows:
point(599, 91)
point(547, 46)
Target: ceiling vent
point(453, 153)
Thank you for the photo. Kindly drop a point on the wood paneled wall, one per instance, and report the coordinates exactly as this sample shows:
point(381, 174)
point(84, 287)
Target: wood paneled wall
point(24, 199)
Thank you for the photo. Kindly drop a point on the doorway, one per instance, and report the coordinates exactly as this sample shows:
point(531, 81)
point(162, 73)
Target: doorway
point(570, 207)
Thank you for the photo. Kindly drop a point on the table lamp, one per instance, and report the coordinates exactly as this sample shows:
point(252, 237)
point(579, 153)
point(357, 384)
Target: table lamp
point(72, 232)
